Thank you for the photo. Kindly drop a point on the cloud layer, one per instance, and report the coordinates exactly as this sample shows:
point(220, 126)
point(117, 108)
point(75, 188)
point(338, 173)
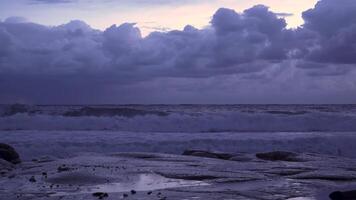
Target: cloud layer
point(240, 58)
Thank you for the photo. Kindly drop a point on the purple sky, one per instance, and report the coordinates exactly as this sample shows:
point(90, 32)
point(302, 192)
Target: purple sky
point(241, 54)
point(149, 15)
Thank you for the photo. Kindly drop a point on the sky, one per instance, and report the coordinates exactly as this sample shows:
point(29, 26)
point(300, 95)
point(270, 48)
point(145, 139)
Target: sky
point(150, 15)
point(185, 51)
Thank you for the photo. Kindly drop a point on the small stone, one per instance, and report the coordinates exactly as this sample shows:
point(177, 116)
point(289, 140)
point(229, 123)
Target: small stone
point(100, 195)
point(32, 179)
point(279, 156)
point(133, 192)
point(207, 154)
point(63, 168)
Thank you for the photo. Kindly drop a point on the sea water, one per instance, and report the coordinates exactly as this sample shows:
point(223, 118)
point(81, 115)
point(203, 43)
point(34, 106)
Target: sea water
point(66, 130)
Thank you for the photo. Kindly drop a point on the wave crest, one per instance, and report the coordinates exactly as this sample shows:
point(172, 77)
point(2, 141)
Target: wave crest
point(180, 118)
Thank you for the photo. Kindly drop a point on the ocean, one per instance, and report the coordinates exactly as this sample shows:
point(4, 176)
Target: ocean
point(67, 130)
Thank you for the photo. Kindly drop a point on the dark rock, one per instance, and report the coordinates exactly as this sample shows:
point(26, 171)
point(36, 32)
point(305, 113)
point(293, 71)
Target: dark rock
point(149, 192)
point(279, 156)
point(100, 195)
point(125, 195)
point(133, 192)
point(63, 168)
point(32, 179)
point(9, 154)
point(207, 154)
point(347, 195)
point(240, 158)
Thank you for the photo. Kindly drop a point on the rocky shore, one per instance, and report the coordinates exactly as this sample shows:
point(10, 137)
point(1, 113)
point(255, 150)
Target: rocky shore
point(194, 175)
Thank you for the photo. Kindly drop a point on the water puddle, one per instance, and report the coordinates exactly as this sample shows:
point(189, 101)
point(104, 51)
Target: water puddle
point(141, 182)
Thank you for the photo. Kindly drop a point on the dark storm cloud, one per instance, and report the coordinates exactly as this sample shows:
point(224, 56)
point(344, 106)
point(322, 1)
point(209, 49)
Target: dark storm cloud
point(75, 62)
point(334, 22)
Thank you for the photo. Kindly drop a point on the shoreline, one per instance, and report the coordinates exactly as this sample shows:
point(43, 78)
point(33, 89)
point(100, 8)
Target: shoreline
point(63, 144)
point(196, 176)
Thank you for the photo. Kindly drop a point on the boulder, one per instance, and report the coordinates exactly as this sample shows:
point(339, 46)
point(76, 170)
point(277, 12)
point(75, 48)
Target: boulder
point(279, 156)
point(9, 154)
point(347, 195)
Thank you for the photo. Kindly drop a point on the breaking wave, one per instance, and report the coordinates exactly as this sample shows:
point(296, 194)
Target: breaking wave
point(181, 118)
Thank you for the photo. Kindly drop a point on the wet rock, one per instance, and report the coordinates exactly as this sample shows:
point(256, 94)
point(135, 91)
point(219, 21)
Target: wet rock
point(240, 158)
point(325, 175)
point(63, 168)
point(32, 179)
point(5, 165)
point(207, 154)
point(76, 178)
point(279, 156)
point(44, 159)
point(101, 195)
point(347, 195)
point(9, 154)
point(190, 176)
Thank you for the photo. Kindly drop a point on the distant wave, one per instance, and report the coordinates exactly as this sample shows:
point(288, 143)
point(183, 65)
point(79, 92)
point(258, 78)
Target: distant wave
point(110, 112)
point(180, 118)
point(77, 111)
